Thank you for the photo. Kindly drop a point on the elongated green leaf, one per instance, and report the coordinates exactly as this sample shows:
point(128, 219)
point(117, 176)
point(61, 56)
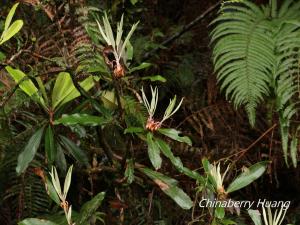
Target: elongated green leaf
point(25, 83)
point(11, 31)
point(143, 65)
point(65, 91)
point(129, 172)
point(10, 16)
point(81, 119)
point(169, 188)
point(75, 151)
point(29, 151)
point(51, 191)
point(67, 181)
point(153, 152)
point(220, 212)
point(247, 177)
point(34, 221)
point(133, 2)
point(255, 216)
point(166, 150)
point(176, 161)
point(294, 149)
point(174, 134)
point(131, 130)
point(86, 85)
point(60, 159)
point(155, 78)
point(89, 209)
point(62, 88)
point(49, 145)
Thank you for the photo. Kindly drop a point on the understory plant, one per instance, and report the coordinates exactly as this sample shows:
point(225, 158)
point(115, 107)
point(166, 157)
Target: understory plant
point(256, 59)
point(212, 187)
point(268, 217)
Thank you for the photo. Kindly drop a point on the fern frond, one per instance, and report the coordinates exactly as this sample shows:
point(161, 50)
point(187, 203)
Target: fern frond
point(243, 54)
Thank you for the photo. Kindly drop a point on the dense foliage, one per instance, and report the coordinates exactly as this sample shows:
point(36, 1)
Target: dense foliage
point(111, 114)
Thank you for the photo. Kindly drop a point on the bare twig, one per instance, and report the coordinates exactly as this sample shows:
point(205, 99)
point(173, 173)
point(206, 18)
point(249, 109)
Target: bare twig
point(182, 31)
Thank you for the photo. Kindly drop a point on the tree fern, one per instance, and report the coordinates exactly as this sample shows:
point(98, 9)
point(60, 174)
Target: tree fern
point(256, 56)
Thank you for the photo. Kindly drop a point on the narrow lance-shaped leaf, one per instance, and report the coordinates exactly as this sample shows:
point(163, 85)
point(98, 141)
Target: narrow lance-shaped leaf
point(50, 145)
point(75, 151)
point(174, 134)
point(10, 16)
point(168, 186)
point(11, 31)
point(29, 151)
point(81, 119)
point(153, 152)
point(89, 208)
point(51, 191)
point(25, 83)
point(247, 177)
point(176, 161)
point(34, 221)
point(67, 182)
point(255, 216)
point(127, 38)
point(56, 182)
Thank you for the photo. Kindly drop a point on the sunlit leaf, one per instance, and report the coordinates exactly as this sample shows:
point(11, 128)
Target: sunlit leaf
point(25, 83)
point(10, 16)
point(65, 91)
point(11, 31)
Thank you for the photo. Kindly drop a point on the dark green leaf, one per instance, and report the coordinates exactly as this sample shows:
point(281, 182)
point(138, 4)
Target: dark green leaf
point(49, 145)
point(168, 186)
point(219, 212)
point(153, 152)
point(89, 208)
point(75, 151)
point(29, 151)
point(174, 134)
point(34, 221)
point(60, 159)
point(140, 67)
point(247, 177)
point(155, 78)
point(81, 119)
point(51, 191)
point(133, 130)
point(129, 172)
